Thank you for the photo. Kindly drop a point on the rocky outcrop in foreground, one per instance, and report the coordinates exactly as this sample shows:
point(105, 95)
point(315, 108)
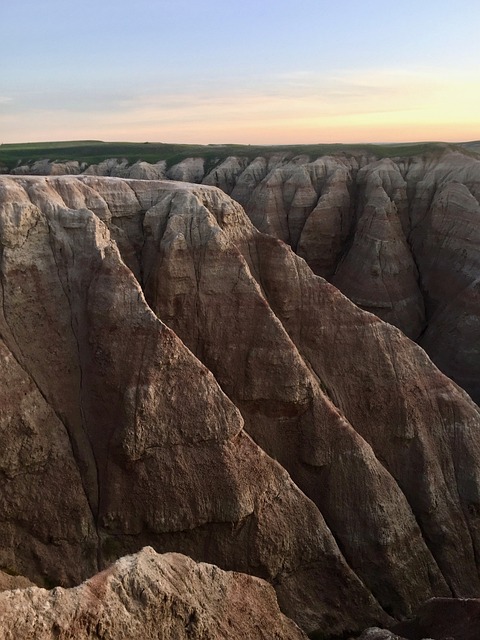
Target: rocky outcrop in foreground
point(188, 383)
point(145, 597)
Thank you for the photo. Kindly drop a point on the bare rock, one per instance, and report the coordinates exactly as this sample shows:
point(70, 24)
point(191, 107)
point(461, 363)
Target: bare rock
point(226, 174)
point(444, 619)
point(397, 236)
point(374, 633)
point(49, 168)
point(446, 241)
point(251, 177)
point(9, 581)
point(149, 596)
point(379, 273)
point(260, 320)
point(116, 167)
point(188, 170)
point(284, 199)
point(153, 451)
point(145, 171)
point(385, 447)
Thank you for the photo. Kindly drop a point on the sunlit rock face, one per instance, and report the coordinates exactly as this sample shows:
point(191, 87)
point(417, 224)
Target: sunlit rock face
point(149, 596)
point(189, 383)
point(115, 435)
point(398, 236)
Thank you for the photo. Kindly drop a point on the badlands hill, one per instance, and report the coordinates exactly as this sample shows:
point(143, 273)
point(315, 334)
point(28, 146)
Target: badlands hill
point(177, 373)
point(395, 228)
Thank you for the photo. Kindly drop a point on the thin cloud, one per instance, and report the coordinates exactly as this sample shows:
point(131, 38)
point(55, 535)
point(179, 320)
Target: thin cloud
point(302, 106)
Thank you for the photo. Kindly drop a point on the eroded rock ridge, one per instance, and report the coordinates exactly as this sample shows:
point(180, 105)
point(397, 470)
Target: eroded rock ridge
point(399, 236)
point(165, 364)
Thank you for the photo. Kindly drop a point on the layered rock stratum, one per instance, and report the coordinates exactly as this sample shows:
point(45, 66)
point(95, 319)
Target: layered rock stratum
point(398, 236)
point(173, 377)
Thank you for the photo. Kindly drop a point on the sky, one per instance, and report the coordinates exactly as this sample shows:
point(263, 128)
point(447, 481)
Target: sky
point(239, 71)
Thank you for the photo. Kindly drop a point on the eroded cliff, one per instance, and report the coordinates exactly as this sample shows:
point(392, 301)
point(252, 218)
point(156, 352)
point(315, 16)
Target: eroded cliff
point(147, 327)
point(398, 236)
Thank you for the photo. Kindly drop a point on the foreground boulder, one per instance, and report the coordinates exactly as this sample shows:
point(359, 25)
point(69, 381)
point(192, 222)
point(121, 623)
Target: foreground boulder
point(149, 596)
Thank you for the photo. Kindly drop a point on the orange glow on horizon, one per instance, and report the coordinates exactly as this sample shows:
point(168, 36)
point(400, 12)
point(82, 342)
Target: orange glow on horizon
point(371, 107)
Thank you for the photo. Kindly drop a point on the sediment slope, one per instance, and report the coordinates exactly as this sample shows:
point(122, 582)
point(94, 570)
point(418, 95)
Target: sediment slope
point(147, 327)
point(398, 236)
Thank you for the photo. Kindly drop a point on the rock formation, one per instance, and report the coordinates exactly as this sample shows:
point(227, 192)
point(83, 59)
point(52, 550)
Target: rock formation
point(398, 236)
point(375, 633)
point(49, 168)
point(147, 443)
point(442, 619)
point(145, 597)
point(104, 401)
point(315, 396)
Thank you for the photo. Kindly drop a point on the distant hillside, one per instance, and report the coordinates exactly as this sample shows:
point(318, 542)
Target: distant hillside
point(472, 146)
point(95, 151)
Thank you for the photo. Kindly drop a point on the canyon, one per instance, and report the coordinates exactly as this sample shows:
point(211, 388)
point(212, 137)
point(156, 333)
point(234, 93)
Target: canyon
point(223, 364)
point(397, 235)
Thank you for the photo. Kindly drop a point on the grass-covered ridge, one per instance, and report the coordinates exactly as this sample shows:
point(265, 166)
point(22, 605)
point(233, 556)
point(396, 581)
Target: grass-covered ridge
point(94, 151)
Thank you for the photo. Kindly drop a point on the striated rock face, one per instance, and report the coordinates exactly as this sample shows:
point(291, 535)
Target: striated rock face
point(144, 324)
point(148, 596)
point(339, 398)
point(106, 402)
point(188, 170)
point(398, 236)
point(121, 169)
point(379, 272)
point(49, 168)
point(445, 239)
point(389, 233)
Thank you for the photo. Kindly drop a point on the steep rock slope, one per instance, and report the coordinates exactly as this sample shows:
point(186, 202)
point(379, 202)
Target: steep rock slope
point(148, 596)
point(106, 404)
point(398, 237)
point(390, 233)
point(387, 448)
point(314, 378)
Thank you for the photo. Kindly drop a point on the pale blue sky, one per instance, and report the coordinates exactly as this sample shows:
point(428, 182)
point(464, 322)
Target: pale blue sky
point(264, 71)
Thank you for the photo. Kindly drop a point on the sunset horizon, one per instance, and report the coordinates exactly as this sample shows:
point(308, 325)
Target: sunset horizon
point(220, 73)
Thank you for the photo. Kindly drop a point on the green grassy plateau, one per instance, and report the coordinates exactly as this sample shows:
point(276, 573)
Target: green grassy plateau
point(94, 151)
